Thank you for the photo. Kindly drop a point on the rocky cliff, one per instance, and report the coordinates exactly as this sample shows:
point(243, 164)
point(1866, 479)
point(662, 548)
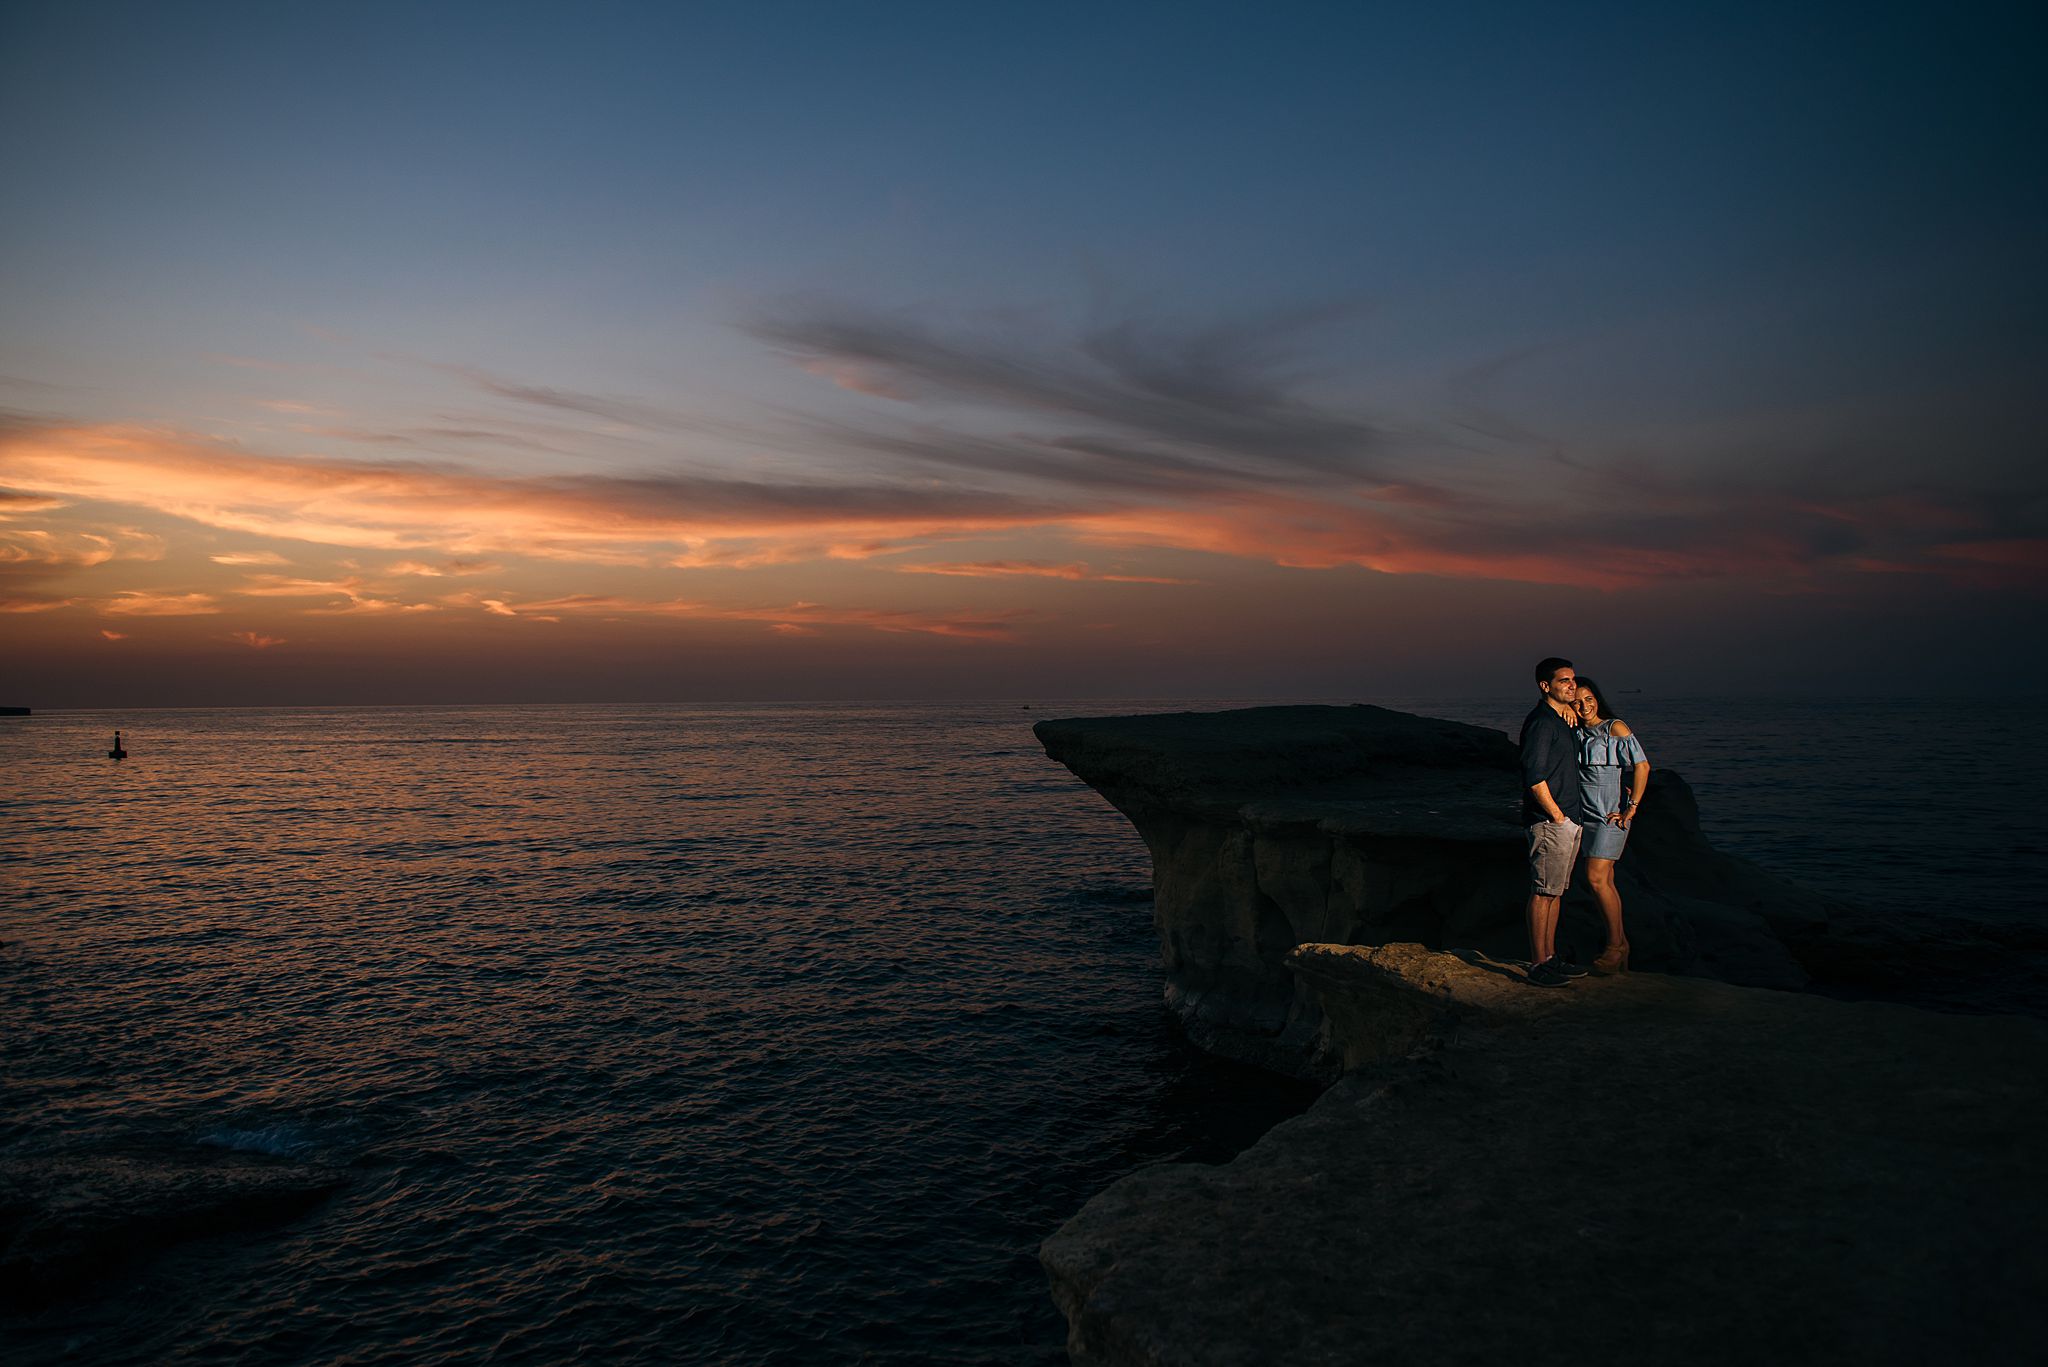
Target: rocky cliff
point(1275, 826)
point(1638, 1169)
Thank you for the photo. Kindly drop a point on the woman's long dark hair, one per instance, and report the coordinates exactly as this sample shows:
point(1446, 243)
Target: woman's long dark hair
point(1607, 713)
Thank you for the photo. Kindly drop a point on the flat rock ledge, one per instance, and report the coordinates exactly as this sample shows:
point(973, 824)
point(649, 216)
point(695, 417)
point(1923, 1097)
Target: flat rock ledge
point(1647, 1168)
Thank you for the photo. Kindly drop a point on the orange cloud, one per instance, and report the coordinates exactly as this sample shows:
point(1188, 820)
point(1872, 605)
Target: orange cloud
point(427, 571)
point(1327, 534)
point(1532, 532)
point(281, 586)
point(41, 548)
point(255, 641)
point(114, 635)
point(249, 558)
point(344, 595)
point(141, 603)
point(465, 513)
point(14, 504)
point(1033, 569)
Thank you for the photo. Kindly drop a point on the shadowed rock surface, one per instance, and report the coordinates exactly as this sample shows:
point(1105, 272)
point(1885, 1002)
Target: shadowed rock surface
point(67, 1219)
point(1274, 826)
point(1639, 1169)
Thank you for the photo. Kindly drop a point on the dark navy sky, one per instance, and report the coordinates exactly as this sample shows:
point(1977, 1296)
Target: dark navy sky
point(1685, 303)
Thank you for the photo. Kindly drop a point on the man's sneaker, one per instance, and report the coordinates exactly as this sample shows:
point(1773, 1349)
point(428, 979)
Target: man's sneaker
point(1565, 966)
point(1546, 974)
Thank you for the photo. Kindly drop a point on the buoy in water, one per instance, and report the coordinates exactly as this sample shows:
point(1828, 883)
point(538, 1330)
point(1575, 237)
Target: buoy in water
point(117, 752)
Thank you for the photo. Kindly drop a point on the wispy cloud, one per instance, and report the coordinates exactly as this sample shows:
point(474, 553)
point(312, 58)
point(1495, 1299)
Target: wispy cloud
point(1126, 438)
point(1034, 569)
point(350, 595)
point(296, 406)
point(14, 503)
point(53, 550)
point(611, 408)
point(440, 438)
point(1219, 402)
point(1205, 438)
point(255, 640)
point(142, 603)
point(427, 570)
point(805, 617)
point(249, 558)
point(39, 551)
point(465, 513)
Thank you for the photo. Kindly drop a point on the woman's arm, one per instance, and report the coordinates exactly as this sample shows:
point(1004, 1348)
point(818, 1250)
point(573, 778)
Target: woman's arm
point(1638, 782)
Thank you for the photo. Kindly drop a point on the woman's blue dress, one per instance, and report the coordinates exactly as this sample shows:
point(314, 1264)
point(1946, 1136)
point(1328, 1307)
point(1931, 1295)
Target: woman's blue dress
point(1604, 760)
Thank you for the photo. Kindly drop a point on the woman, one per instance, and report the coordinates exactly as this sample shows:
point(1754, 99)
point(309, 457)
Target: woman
point(1606, 747)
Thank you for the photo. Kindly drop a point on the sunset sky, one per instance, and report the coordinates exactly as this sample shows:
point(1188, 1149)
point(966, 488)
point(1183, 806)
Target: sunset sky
point(467, 353)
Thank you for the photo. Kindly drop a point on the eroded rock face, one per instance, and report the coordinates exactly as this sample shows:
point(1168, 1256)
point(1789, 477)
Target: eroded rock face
point(1274, 826)
point(1637, 1169)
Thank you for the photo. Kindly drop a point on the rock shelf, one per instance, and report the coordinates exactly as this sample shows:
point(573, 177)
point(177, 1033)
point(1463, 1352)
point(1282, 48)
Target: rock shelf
point(1640, 1169)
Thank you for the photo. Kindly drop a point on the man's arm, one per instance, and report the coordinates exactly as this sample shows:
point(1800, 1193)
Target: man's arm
point(1538, 753)
point(1541, 789)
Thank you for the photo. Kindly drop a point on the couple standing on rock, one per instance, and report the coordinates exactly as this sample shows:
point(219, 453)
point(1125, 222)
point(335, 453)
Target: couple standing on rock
point(1574, 750)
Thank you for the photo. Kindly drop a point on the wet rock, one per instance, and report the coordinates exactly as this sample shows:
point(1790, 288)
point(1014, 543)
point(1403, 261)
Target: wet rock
point(1644, 1168)
point(66, 1219)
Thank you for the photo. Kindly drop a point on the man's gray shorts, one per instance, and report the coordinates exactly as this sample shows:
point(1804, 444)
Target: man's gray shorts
point(1553, 846)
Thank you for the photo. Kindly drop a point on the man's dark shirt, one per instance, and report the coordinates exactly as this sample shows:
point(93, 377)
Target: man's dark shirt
point(1550, 754)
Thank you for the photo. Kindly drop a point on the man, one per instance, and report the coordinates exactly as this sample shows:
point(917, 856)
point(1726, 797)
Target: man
point(1550, 813)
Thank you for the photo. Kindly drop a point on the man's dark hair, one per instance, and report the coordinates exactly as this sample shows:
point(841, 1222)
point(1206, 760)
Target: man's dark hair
point(1550, 667)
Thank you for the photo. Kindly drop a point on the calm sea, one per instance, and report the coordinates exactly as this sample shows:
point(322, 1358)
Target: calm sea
point(748, 1034)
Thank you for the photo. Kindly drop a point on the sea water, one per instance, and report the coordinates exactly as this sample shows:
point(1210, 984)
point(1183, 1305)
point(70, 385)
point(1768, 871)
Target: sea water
point(745, 1033)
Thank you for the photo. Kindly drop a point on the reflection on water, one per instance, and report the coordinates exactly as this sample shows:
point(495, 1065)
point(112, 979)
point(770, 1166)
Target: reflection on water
point(779, 1034)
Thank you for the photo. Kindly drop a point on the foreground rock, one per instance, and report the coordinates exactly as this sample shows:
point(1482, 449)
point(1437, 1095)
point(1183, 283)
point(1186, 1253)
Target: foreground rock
point(1273, 826)
point(1642, 1169)
point(67, 1219)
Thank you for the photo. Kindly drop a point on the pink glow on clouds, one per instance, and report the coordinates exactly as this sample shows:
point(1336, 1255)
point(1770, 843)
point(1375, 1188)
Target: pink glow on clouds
point(461, 512)
point(1033, 569)
point(554, 550)
point(141, 603)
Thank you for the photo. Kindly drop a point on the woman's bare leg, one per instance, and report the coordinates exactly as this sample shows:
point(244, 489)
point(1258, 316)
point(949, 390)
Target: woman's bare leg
point(1600, 878)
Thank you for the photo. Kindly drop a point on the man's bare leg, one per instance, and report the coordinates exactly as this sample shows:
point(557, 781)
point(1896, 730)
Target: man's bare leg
point(1542, 914)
